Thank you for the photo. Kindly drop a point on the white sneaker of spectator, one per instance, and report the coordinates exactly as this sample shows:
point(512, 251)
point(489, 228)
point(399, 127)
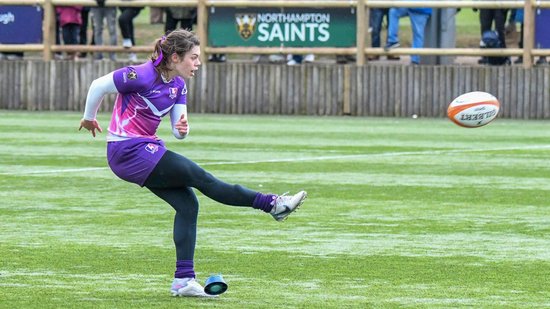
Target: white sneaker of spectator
point(292, 62)
point(127, 43)
point(309, 58)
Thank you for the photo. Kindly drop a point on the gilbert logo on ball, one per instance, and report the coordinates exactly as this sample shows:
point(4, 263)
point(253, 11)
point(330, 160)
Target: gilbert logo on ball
point(473, 109)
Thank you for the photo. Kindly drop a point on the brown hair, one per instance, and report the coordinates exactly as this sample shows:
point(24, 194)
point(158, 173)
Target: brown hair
point(178, 41)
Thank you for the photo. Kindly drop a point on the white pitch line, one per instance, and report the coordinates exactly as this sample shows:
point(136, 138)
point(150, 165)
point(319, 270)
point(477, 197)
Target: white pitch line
point(68, 170)
point(383, 154)
point(303, 159)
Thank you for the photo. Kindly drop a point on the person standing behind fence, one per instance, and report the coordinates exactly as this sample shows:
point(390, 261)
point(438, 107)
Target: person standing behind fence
point(419, 18)
point(83, 33)
point(108, 14)
point(376, 19)
point(486, 19)
point(518, 17)
point(70, 20)
point(126, 24)
point(186, 17)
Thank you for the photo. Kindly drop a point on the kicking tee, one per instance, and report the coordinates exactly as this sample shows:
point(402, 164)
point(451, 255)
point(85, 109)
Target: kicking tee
point(143, 98)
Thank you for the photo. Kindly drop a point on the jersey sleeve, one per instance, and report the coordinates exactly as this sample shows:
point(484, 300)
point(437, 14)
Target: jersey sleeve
point(99, 88)
point(182, 98)
point(129, 79)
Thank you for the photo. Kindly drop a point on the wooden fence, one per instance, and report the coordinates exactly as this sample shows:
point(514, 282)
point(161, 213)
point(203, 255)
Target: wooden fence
point(317, 89)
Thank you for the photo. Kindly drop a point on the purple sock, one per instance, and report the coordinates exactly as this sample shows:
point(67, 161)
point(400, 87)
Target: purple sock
point(184, 269)
point(264, 202)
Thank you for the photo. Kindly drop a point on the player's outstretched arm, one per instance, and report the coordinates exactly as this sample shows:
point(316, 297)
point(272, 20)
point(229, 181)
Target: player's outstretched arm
point(98, 89)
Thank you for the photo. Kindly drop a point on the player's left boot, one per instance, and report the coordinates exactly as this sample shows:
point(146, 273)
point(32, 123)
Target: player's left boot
point(188, 287)
point(285, 205)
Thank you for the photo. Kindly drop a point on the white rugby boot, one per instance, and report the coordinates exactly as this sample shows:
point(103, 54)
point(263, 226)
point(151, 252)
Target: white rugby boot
point(285, 205)
point(188, 287)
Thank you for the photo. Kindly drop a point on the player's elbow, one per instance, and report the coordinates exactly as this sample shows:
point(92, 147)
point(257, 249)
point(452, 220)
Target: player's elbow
point(97, 86)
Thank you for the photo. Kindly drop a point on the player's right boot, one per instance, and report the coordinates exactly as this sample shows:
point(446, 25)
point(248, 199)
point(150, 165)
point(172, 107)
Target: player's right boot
point(188, 287)
point(285, 205)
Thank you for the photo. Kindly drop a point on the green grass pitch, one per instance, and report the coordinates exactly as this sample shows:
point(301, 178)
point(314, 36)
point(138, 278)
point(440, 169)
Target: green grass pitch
point(401, 213)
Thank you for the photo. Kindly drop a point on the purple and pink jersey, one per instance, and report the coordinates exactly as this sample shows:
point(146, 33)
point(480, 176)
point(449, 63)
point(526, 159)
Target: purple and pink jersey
point(143, 99)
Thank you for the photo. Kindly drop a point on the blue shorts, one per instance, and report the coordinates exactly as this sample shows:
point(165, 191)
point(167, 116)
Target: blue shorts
point(134, 159)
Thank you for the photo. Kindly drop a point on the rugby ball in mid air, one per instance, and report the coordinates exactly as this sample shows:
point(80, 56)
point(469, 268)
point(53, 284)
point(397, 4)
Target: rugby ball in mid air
point(473, 109)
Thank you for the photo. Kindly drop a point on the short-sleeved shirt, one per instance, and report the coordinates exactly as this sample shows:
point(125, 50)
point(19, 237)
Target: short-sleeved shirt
point(143, 99)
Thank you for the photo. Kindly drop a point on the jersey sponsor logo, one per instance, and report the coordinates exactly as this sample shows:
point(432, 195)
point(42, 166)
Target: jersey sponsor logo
point(184, 90)
point(152, 148)
point(173, 92)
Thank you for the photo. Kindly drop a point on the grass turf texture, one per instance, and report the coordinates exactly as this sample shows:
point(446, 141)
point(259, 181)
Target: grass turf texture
point(401, 213)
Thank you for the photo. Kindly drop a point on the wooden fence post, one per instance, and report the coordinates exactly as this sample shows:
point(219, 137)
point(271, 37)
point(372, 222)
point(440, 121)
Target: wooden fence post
point(346, 108)
point(48, 29)
point(528, 33)
point(362, 22)
point(202, 28)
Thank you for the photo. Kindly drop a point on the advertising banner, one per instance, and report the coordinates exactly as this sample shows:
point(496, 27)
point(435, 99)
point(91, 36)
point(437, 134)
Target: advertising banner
point(20, 24)
point(276, 27)
point(542, 36)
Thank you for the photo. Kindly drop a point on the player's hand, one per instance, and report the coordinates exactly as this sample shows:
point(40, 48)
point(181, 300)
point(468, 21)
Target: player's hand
point(182, 126)
point(90, 125)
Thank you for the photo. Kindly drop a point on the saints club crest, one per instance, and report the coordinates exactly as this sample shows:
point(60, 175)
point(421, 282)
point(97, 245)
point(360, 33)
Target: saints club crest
point(246, 25)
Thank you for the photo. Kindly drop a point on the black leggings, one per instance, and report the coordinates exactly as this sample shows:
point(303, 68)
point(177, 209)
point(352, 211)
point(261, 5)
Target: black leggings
point(486, 18)
point(172, 180)
point(126, 22)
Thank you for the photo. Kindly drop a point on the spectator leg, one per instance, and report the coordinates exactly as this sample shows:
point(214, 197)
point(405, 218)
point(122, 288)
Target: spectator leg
point(418, 24)
point(375, 21)
point(171, 23)
point(110, 15)
point(393, 28)
point(97, 21)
